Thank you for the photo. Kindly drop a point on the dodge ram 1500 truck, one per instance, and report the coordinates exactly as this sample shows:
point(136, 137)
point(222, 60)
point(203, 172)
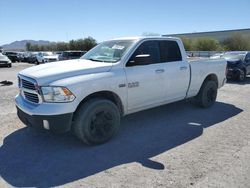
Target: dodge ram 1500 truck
point(117, 77)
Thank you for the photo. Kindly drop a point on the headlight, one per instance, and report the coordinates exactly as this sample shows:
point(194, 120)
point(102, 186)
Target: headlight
point(57, 94)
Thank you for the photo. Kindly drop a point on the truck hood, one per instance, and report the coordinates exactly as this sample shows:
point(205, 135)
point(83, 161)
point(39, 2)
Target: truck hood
point(233, 63)
point(47, 73)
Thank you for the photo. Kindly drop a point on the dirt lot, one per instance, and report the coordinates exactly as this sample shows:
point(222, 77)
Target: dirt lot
point(176, 145)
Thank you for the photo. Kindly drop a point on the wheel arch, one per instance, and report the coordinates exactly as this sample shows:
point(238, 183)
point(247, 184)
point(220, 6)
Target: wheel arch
point(211, 77)
point(109, 95)
point(245, 70)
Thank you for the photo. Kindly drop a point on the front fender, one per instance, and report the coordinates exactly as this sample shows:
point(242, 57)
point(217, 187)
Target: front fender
point(85, 85)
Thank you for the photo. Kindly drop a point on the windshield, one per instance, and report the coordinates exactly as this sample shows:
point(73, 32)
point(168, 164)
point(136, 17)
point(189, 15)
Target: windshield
point(234, 56)
point(109, 51)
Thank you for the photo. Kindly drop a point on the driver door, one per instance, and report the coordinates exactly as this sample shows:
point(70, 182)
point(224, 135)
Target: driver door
point(145, 83)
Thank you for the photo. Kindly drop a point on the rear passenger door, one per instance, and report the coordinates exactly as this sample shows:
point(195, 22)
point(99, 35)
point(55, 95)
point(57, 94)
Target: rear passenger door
point(177, 73)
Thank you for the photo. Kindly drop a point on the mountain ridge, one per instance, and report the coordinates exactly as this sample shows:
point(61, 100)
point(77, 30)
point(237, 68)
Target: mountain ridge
point(21, 44)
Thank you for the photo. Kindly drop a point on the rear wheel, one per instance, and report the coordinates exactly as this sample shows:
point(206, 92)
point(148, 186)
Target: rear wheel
point(207, 94)
point(96, 121)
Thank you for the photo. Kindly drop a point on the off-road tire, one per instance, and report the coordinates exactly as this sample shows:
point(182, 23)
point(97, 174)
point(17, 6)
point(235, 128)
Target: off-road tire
point(96, 121)
point(207, 94)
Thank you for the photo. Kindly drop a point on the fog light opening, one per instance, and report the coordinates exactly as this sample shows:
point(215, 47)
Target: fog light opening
point(46, 124)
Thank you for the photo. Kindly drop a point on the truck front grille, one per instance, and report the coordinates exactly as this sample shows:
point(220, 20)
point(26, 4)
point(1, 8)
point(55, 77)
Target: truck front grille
point(28, 85)
point(31, 97)
point(28, 90)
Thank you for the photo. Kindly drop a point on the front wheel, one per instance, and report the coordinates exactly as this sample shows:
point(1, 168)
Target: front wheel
point(96, 121)
point(207, 94)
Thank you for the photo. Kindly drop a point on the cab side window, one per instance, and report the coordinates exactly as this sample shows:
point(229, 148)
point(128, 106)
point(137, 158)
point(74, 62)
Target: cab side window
point(170, 51)
point(149, 47)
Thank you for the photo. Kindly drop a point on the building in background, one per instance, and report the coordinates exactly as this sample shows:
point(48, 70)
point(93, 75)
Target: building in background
point(218, 35)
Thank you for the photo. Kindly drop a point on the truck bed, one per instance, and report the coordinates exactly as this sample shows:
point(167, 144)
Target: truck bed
point(201, 68)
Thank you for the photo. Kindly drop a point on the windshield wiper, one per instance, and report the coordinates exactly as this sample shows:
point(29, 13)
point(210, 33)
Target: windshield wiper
point(95, 60)
point(99, 60)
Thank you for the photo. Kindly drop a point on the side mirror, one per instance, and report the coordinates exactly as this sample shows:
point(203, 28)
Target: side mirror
point(143, 59)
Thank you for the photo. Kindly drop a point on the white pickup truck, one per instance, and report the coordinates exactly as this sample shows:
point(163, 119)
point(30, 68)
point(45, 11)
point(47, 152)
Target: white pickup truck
point(46, 57)
point(117, 77)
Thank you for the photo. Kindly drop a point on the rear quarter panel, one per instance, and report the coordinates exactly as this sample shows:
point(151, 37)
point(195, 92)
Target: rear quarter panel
point(200, 69)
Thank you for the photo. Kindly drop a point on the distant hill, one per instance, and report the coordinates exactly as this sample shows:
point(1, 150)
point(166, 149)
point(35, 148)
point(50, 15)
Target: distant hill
point(21, 45)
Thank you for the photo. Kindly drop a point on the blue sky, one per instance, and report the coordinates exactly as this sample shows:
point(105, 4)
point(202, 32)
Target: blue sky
point(62, 20)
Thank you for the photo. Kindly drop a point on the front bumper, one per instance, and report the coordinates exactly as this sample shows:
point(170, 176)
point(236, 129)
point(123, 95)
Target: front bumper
point(233, 73)
point(55, 123)
point(50, 60)
point(5, 63)
point(55, 117)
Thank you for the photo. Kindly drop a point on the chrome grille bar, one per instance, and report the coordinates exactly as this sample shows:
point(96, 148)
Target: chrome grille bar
point(29, 90)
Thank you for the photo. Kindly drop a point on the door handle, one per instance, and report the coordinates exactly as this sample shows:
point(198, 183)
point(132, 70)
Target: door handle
point(159, 71)
point(183, 68)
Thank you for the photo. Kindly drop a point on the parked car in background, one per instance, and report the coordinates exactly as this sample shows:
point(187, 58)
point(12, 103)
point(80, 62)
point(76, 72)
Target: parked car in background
point(4, 60)
point(58, 52)
point(71, 55)
point(217, 56)
point(238, 65)
point(13, 56)
point(46, 57)
point(20, 56)
point(26, 56)
point(31, 57)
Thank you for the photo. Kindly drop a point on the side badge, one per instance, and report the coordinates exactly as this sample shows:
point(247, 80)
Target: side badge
point(122, 85)
point(133, 84)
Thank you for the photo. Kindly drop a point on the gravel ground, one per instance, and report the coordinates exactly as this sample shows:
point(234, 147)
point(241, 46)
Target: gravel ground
point(176, 145)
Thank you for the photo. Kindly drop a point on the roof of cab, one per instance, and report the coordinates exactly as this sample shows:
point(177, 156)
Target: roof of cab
point(145, 37)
